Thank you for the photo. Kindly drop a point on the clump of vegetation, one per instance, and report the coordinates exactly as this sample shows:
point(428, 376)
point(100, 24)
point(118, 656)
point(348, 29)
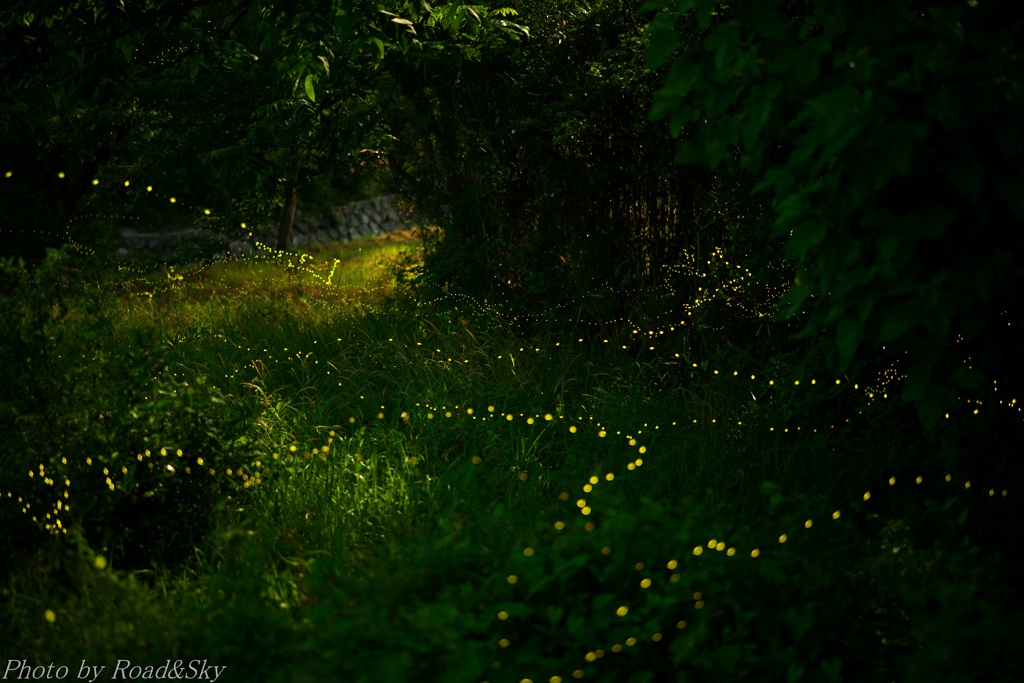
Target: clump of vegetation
point(241, 467)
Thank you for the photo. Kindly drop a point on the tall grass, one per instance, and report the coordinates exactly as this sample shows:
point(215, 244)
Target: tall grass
point(329, 481)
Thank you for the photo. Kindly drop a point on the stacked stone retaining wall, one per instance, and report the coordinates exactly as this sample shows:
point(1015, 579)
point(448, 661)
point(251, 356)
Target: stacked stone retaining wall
point(349, 222)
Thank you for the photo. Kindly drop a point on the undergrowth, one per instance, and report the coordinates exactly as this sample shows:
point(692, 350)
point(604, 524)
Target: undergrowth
point(298, 479)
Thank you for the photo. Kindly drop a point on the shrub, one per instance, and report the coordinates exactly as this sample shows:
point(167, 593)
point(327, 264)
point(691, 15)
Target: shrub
point(99, 436)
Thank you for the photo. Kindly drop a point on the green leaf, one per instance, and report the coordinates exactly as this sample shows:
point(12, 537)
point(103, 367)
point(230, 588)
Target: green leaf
point(704, 10)
point(681, 78)
point(758, 109)
point(193, 69)
point(725, 41)
point(309, 88)
point(343, 25)
point(900, 318)
point(663, 40)
point(380, 46)
point(457, 17)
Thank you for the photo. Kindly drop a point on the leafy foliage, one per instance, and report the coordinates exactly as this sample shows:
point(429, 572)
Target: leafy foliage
point(891, 177)
point(102, 438)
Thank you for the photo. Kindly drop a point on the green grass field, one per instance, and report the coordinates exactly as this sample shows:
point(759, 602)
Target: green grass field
point(315, 479)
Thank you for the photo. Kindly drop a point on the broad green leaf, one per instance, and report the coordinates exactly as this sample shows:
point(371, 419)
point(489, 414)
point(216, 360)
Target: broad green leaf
point(663, 40)
point(380, 46)
point(726, 47)
point(193, 69)
point(758, 109)
point(456, 20)
point(900, 317)
point(683, 75)
point(704, 10)
point(309, 88)
point(343, 25)
point(718, 97)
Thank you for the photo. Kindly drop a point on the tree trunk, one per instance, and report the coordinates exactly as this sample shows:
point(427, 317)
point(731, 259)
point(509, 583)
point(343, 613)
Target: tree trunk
point(284, 234)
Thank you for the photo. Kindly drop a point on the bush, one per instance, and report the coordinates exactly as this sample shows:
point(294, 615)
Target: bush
point(829, 603)
point(97, 435)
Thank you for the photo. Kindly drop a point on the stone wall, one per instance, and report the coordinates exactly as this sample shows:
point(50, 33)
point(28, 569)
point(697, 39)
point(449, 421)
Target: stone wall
point(349, 222)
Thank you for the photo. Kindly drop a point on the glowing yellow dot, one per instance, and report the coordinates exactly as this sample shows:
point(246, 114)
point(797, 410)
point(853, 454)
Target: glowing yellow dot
point(503, 615)
point(622, 611)
point(50, 616)
point(512, 578)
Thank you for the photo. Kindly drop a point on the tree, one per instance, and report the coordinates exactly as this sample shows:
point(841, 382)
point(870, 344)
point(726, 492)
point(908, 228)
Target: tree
point(116, 82)
point(549, 179)
point(904, 180)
